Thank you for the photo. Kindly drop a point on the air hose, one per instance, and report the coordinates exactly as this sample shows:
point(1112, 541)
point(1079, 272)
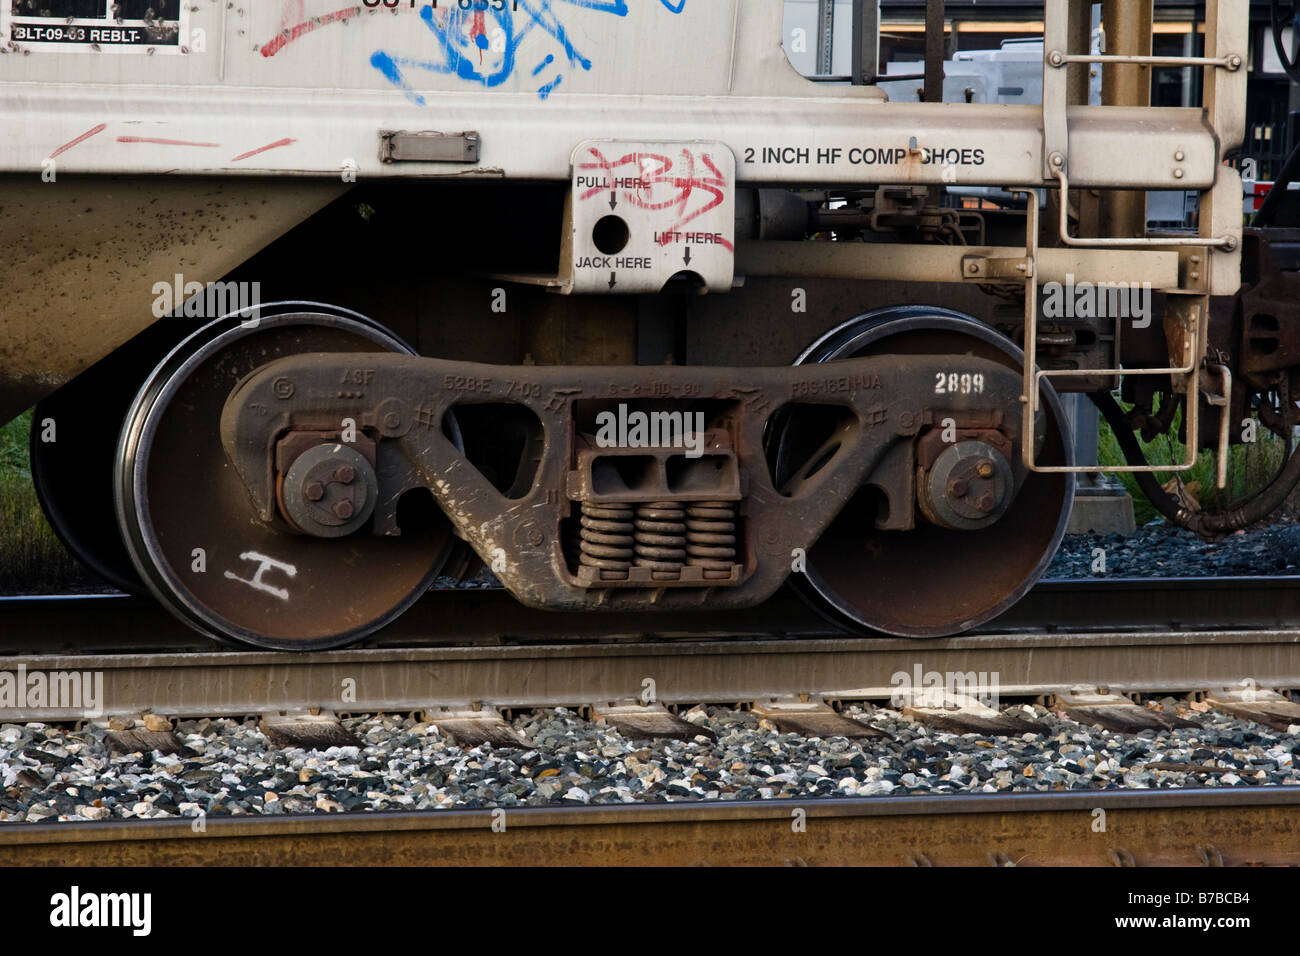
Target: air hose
point(1210, 525)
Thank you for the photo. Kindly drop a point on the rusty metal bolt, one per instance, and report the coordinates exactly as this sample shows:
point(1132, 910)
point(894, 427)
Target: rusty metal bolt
point(986, 503)
point(984, 469)
point(314, 491)
point(345, 474)
point(957, 487)
point(343, 509)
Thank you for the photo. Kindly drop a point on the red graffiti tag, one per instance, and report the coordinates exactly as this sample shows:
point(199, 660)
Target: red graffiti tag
point(288, 33)
point(162, 142)
point(262, 149)
point(658, 187)
point(80, 139)
point(479, 29)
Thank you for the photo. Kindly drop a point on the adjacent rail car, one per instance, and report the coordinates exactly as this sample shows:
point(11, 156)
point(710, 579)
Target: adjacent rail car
point(321, 301)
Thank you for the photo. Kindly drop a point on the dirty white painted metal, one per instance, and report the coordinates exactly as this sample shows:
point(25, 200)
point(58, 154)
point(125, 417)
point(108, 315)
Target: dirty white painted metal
point(330, 92)
point(307, 87)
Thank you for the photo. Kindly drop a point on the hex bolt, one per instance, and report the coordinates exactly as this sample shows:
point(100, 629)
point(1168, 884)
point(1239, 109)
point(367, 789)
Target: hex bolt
point(985, 503)
point(343, 509)
point(957, 488)
point(984, 469)
point(314, 491)
point(345, 474)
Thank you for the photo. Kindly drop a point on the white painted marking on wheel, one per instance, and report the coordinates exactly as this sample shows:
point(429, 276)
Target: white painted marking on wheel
point(264, 565)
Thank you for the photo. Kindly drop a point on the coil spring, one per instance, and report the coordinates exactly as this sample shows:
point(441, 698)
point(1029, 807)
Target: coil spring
point(661, 536)
point(711, 537)
point(608, 537)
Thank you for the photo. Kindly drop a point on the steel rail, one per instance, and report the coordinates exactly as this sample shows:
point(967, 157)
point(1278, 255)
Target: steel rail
point(684, 672)
point(1164, 827)
point(480, 647)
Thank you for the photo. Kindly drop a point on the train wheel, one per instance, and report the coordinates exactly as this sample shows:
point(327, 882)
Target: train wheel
point(73, 475)
point(191, 528)
point(929, 581)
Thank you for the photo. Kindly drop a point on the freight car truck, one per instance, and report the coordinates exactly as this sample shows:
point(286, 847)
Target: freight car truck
point(314, 295)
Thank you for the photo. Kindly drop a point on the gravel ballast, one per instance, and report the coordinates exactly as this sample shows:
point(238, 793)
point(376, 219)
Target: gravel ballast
point(1159, 550)
point(52, 773)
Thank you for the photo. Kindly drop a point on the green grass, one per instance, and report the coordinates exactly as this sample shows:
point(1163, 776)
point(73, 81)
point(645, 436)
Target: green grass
point(1250, 467)
point(32, 558)
point(13, 446)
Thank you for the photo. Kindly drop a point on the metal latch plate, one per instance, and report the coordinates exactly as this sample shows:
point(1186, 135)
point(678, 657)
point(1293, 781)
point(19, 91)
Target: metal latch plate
point(428, 146)
point(981, 269)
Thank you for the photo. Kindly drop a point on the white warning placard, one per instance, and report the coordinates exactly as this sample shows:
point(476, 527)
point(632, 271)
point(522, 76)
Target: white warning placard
point(95, 26)
point(644, 212)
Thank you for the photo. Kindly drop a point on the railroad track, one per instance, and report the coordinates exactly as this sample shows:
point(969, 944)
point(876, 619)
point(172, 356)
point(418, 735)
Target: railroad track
point(796, 671)
point(193, 684)
point(472, 648)
point(1257, 827)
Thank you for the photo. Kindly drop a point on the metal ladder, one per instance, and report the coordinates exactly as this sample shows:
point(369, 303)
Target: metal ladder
point(1187, 307)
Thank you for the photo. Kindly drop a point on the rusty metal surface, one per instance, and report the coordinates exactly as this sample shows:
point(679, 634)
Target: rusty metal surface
point(871, 570)
point(941, 263)
point(1266, 306)
point(685, 671)
point(883, 400)
point(176, 493)
point(1148, 828)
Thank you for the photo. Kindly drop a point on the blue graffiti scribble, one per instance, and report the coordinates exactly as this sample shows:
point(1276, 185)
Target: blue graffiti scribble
point(484, 53)
point(616, 7)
